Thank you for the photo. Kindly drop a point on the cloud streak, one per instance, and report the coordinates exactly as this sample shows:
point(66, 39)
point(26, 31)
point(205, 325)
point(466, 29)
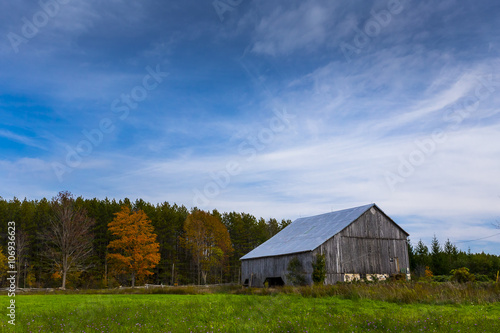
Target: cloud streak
point(21, 139)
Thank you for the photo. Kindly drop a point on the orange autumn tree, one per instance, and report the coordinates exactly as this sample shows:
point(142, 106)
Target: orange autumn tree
point(4, 268)
point(207, 238)
point(135, 246)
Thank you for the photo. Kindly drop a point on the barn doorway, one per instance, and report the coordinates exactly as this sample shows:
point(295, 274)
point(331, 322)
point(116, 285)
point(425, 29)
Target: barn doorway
point(274, 282)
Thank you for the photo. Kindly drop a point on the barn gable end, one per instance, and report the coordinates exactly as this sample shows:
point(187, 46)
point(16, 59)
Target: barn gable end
point(372, 244)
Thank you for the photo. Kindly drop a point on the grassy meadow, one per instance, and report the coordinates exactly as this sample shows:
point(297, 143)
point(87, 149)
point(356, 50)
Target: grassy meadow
point(322, 309)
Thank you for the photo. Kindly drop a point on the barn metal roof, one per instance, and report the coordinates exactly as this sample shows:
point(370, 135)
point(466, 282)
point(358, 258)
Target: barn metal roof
point(307, 233)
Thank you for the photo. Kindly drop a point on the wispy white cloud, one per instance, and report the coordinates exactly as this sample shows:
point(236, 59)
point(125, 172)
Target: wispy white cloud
point(286, 30)
point(21, 139)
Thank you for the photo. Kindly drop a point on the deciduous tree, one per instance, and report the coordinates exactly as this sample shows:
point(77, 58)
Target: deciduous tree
point(3, 266)
point(136, 250)
point(208, 241)
point(69, 237)
point(462, 275)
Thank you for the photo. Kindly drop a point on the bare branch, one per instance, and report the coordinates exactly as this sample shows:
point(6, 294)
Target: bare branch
point(69, 236)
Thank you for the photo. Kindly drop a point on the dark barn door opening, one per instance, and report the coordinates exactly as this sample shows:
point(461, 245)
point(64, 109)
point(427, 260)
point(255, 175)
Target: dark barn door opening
point(274, 282)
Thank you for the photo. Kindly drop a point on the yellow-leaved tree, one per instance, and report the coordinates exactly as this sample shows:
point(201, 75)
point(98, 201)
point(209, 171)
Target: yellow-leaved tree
point(3, 267)
point(135, 248)
point(207, 238)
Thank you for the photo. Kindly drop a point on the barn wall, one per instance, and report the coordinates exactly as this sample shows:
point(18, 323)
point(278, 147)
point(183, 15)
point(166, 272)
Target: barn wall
point(257, 270)
point(365, 247)
point(373, 225)
point(331, 250)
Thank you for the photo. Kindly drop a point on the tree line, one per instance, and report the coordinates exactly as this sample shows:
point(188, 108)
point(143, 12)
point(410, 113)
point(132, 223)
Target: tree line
point(101, 243)
point(440, 261)
point(92, 243)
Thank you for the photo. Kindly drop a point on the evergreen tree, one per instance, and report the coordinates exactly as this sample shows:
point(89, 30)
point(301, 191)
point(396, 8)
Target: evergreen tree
point(296, 274)
point(319, 269)
point(437, 262)
point(421, 258)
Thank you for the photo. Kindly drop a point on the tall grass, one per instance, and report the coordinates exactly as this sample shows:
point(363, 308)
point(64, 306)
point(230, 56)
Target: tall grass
point(395, 292)
point(411, 292)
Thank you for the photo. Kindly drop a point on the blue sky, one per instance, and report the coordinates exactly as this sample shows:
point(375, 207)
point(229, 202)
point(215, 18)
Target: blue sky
point(279, 109)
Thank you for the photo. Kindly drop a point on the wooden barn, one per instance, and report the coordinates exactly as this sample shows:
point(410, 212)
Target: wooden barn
point(360, 242)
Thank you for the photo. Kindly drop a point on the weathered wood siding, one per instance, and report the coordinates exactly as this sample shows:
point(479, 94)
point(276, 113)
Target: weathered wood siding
point(333, 257)
point(365, 247)
point(257, 270)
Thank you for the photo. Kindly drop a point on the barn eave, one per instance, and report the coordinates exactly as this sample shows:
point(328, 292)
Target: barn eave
point(278, 255)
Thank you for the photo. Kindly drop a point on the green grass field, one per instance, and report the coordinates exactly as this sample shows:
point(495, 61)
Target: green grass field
point(241, 313)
